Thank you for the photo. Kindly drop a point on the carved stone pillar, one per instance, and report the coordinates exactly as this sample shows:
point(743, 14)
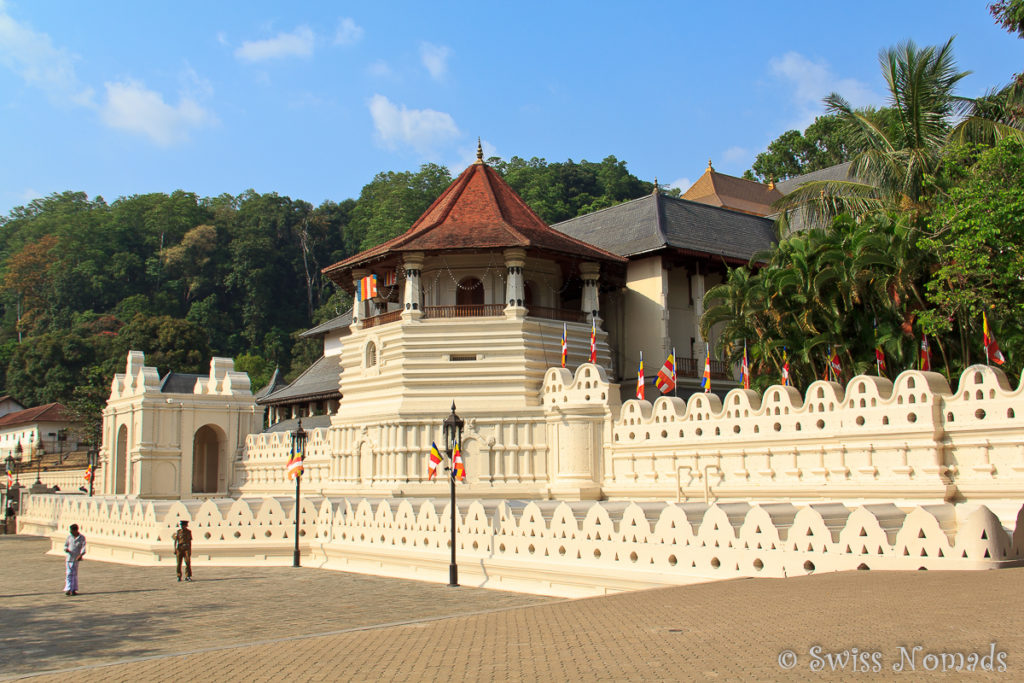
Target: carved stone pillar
point(697, 287)
point(413, 264)
point(515, 288)
point(590, 305)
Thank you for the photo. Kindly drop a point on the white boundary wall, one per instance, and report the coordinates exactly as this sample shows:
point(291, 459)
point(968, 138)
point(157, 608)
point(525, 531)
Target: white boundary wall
point(547, 547)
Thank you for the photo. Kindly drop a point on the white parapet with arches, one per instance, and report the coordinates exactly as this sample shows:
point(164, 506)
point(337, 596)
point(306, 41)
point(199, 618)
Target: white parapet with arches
point(547, 547)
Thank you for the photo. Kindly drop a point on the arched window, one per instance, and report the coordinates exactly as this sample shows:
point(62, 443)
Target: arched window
point(371, 354)
point(470, 292)
point(121, 460)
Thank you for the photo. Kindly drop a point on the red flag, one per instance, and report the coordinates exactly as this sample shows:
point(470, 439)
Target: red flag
point(991, 346)
point(10, 479)
point(879, 359)
point(565, 345)
point(460, 467)
point(640, 378)
point(785, 369)
point(926, 354)
point(593, 340)
point(666, 380)
point(745, 368)
point(435, 460)
point(705, 380)
point(88, 473)
point(835, 365)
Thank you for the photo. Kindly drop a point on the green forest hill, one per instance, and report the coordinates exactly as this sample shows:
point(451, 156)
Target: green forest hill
point(184, 277)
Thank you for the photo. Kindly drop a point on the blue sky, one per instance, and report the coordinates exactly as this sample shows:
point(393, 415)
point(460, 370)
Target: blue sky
point(311, 99)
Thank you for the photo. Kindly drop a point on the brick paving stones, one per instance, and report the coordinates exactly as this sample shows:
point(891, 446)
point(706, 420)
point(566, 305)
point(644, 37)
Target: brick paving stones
point(253, 624)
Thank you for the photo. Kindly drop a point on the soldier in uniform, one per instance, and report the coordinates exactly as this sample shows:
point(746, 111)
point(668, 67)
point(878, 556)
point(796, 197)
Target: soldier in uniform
point(183, 549)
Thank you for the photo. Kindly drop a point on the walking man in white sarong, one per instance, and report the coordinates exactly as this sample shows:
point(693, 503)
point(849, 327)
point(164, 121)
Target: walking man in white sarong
point(74, 549)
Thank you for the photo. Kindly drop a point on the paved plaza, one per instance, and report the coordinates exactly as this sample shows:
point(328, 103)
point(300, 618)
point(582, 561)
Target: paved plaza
point(280, 623)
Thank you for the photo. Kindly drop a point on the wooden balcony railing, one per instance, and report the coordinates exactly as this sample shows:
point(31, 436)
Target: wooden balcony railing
point(568, 315)
point(469, 311)
point(694, 367)
point(480, 311)
point(383, 318)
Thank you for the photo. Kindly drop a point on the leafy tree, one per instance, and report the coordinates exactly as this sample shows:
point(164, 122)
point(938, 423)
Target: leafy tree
point(1010, 15)
point(392, 202)
point(169, 343)
point(977, 232)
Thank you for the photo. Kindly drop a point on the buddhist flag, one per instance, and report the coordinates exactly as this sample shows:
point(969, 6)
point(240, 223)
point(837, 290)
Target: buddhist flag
point(745, 367)
point(368, 287)
point(294, 468)
point(879, 360)
point(565, 344)
point(666, 379)
point(785, 368)
point(88, 473)
point(705, 380)
point(390, 278)
point(10, 478)
point(460, 467)
point(640, 378)
point(435, 460)
point(926, 354)
point(991, 346)
point(593, 340)
point(835, 365)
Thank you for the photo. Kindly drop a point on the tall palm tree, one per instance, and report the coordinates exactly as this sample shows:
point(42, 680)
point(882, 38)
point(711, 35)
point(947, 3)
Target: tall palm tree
point(889, 173)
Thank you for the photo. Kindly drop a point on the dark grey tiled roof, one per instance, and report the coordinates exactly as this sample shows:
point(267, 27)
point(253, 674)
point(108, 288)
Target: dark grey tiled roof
point(179, 383)
point(275, 383)
point(837, 172)
point(655, 222)
point(319, 380)
point(309, 422)
point(342, 321)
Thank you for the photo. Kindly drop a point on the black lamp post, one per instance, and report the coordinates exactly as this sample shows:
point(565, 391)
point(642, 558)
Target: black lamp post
point(298, 451)
point(93, 458)
point(452, 435)
point(40, 452)
point(17, 472)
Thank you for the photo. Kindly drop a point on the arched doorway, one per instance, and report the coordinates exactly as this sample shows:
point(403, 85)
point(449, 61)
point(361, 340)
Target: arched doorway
point(120, 468)
point(470, 292)
point(205, 460)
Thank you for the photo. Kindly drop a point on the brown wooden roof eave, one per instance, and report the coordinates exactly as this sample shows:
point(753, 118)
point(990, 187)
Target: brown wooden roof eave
point(302, 398)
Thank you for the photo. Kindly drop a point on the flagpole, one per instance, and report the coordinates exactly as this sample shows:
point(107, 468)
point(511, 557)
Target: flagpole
point(675, 373)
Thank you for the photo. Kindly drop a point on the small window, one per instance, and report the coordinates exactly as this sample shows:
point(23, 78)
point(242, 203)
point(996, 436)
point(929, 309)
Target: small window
point(371, 354)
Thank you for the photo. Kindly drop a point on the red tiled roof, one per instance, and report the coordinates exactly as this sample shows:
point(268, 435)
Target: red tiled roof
point(738, 194)
point(478, 211)
point(51, 412)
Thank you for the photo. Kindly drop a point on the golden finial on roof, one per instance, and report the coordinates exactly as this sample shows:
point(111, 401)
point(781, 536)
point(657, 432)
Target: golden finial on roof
point(771, 184)
point(655, 185)
point(710, 167)
point(479, 152)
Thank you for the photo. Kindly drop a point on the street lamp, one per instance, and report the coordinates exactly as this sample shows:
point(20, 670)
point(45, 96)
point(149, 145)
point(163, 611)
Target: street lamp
point(452, 426)
point(93, 456)
point(40, 452)
point(298, 454)
point(17, 472)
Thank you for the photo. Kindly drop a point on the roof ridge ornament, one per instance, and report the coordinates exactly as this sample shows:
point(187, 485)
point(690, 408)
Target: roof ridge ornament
point(479, 152)
point(655, 185)
point(710, 167)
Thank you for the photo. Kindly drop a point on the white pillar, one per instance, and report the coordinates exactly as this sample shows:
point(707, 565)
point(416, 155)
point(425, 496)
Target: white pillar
point(515, 289)
point(590, 301)
point(413, 264)
point(697, 287)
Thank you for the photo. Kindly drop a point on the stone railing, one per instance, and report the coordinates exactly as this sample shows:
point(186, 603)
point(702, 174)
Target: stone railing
point(554, 548)
point(911, 438)
point(262, 467)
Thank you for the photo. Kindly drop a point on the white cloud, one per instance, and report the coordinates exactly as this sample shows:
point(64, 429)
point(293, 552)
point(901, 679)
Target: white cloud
point(222, 38)
point(435, 59)
point(812, 81)
point(298, 43)
point(349, 33)
point(379, 69)
point(34, 58)
point(421, 129)
point(132, 107)
point(734, 154)
point(683, 184)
